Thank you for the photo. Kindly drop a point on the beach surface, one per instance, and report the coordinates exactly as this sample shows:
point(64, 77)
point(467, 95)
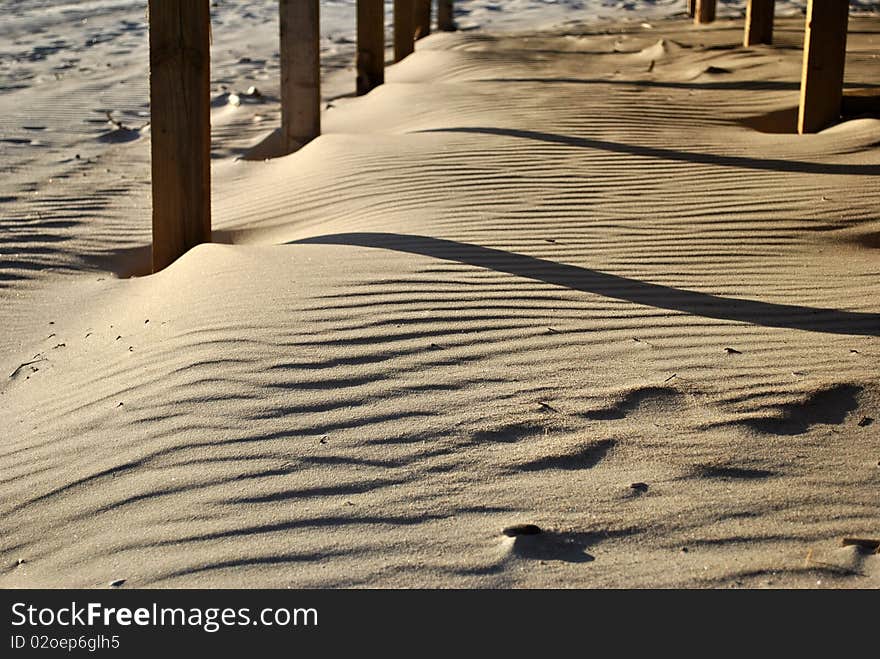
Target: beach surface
point(583, 280)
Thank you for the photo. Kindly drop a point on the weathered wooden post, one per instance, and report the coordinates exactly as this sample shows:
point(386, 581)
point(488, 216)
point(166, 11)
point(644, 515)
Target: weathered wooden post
point(300, 73)
point(824, 62)
point(759, 22)
point(692, 8)
point(370, 45)
point(180, 118)
point(704, 12)
point(423, 18)
point(404, 28)
point(445, 20)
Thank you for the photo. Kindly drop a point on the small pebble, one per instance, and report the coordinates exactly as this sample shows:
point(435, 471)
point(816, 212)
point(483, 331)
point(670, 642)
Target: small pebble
point(639, 487)
point(521, 529)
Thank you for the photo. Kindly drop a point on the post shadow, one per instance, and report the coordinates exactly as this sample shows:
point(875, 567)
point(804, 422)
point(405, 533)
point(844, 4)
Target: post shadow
point(765, 164)
point(706, 305)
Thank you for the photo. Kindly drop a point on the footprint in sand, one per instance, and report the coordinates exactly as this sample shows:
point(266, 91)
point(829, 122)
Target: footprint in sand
point(583, 456)
point(508, 434)
point(546, 545)
point(655, 400)
point(827, 406)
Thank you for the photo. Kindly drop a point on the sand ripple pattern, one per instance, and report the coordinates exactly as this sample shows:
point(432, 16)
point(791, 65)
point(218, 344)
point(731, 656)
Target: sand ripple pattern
point(531, 279)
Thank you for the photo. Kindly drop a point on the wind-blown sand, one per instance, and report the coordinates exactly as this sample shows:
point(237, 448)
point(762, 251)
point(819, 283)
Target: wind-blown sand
point(557, 279)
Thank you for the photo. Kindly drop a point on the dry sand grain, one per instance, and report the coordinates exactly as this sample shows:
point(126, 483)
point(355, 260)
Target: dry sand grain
point(549, 279)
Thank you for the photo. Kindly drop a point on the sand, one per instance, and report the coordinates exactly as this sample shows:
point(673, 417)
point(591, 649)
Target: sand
point(585, 279)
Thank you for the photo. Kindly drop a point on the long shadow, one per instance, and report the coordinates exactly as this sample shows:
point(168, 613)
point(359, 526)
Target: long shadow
point(741, 85)
point(756, 85)
point(765, 164)
point(765, 314)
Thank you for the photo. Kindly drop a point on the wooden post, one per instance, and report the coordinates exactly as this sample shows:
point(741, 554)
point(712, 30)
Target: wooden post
point(300, 73)
point(692, 8)
point(759, 22)
point(445, 20)
point(370, 45)
point(704, 12)
point(180, 109)
point(404, 28)
point(824, 61)
point(423, 18)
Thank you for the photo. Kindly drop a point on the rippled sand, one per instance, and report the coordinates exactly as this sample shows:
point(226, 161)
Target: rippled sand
point(586, 281)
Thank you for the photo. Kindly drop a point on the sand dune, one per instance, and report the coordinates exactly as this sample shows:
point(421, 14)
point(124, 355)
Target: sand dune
point(579, 280)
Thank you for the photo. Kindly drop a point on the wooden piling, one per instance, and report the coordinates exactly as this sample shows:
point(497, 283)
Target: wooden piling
point(300, 73)
point(759, 22)
point(180, 109)
point(692, 8)
point(824, 63)
point(423, 18)
point(404, 28)
point(370, 45)
point(704, 12)
point(445, 20)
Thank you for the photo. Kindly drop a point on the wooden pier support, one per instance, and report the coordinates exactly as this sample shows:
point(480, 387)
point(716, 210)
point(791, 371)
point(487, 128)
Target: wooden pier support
point(445, 20)
point(759, 22)
point(423, 18)
point(300, 73)
point(404, 28)
point(180, 109)
point(370, 45)
point(692, 8)
point(824, 62)
point(704, 11)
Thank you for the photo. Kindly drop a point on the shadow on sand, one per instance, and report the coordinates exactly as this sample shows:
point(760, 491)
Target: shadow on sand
point(717, 160)
point(765, 314)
